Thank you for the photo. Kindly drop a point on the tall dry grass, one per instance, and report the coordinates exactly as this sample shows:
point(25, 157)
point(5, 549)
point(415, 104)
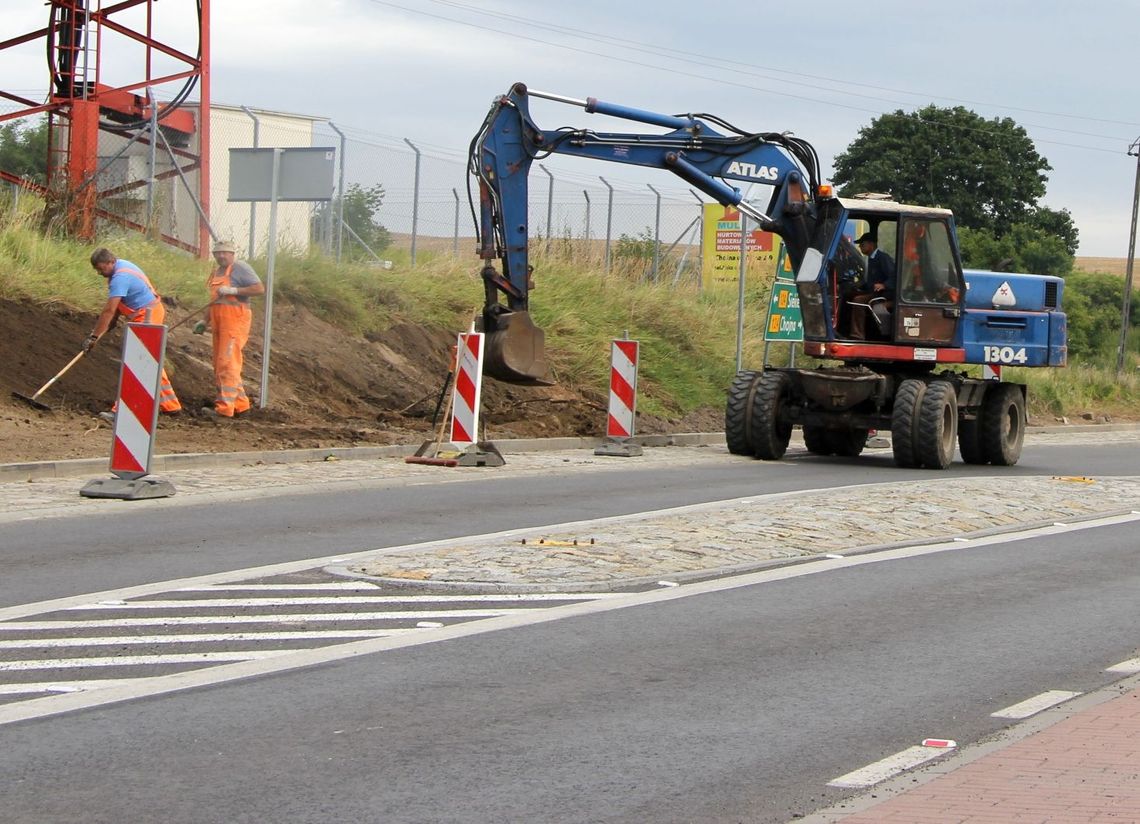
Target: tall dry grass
point(688, 336)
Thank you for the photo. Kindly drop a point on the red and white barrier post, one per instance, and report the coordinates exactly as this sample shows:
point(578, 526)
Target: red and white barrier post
point(136, 418)
point(466, 397)
point(623, 400)
point(467, 392)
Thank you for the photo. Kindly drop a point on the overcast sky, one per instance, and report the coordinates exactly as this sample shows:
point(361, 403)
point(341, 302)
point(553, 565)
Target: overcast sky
point(427, 70)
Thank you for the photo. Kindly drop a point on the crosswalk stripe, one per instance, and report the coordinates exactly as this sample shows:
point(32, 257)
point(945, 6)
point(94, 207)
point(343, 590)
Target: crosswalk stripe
point(258, 602)
point(139, 660)
point(258, 618)
point(210, 637)
point(404, 599)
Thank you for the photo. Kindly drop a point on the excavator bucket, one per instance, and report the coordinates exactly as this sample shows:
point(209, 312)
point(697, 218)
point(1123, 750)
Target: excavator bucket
point(516, 351)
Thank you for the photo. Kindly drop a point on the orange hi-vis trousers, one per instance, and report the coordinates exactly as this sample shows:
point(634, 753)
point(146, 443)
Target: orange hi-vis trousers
point(230, 323)
point(155, 313)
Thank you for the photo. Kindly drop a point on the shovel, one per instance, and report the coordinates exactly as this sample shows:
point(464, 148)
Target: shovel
point(34, 399)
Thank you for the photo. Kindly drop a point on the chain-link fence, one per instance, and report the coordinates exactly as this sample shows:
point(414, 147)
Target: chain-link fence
point(420, 205)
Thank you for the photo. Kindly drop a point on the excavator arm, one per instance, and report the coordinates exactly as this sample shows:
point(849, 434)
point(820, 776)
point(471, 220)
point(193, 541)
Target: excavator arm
point(691, 148)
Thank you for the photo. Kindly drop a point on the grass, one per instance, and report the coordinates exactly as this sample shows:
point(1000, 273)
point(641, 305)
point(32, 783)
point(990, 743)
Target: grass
point(688, 336)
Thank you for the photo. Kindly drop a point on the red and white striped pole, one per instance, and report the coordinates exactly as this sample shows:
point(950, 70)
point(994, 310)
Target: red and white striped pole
point(467, 391)
point(136, 417)
point(623, 399)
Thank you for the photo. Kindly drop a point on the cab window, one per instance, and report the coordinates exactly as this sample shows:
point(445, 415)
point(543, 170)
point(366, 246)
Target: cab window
point(927, 270)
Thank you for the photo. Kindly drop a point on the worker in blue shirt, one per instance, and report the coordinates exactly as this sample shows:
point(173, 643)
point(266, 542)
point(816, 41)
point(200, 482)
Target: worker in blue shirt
point(129, 294)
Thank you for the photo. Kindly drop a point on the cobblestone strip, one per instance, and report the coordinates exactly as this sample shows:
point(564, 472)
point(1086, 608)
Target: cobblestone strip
point(748, 532)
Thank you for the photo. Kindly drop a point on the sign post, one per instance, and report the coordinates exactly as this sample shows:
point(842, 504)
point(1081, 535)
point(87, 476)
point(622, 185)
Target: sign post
point(271, 175)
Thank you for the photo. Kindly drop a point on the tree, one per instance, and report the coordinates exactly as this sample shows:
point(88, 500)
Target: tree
point(986, 171)
point(1024, 248)
point(1057, 224)
point(23, 149)
point(360, 207)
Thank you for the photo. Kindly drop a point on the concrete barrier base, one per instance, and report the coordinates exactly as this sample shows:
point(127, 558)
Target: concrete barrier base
point(135, 490)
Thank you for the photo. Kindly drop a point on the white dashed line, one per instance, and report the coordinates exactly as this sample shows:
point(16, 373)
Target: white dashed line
point(889, 767)
point(1129, 667)
point(1034, 705)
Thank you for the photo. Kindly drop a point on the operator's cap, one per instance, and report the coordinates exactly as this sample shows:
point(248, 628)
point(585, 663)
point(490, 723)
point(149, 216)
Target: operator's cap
point(860, 239)
point(224, 246)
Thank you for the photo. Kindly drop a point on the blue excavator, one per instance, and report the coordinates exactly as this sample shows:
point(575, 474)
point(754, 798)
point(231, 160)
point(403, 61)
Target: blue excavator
point(900, 367)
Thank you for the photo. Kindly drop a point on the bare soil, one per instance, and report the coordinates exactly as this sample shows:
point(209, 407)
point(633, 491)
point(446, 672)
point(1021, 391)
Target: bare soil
point(326, 389)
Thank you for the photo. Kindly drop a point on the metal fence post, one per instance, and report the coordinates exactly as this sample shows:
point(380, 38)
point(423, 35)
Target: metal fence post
point(415, 200)
point(252, 252)
point(656, 233)
point(549, 208)
point(1134, 149)
point(586, 195)
point(455, 242)
point(701, 243)
point(339, 192)
point(152, 159)
point(609, 219)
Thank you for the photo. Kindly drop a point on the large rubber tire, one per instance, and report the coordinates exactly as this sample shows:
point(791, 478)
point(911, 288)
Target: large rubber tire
point(970, 440)
point(1003, 424)
point(738, 412)
point(847, 443)
point(937, 425)
point(817, 440)
point(904, 422)
point(770, 434)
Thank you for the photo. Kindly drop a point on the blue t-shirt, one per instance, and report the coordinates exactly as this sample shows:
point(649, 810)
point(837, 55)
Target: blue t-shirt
point(126, 282)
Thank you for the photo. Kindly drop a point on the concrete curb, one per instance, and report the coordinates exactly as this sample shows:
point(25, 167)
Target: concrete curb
point(36, 470)
point(31, 471)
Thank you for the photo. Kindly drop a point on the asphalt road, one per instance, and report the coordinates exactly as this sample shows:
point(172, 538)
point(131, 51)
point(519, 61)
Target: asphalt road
point(57, 557)
point(734, 704)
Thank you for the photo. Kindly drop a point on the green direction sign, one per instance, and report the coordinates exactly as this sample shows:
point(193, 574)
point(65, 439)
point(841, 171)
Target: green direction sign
point(784, 319)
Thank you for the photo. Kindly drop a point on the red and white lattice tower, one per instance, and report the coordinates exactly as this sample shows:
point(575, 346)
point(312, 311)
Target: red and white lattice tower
point(468, 390)
point(623, 389)
point(136, 416)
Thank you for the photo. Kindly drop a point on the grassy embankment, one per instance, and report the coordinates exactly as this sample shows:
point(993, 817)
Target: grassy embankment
point(687, 337)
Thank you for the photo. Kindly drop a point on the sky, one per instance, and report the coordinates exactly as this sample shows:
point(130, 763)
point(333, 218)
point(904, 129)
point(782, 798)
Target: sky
point(427, 70)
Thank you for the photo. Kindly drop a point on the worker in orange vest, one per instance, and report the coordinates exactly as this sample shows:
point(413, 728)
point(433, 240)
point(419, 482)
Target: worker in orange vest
point(129, 294)
point(232, 283)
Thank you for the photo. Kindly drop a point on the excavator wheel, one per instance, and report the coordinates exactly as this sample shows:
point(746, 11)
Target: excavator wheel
point(516, 351)
point(904, 422)
point(847, 443)
point(738, 413)
point(970, 441)
point(1003, 424)
point(937, 425)
point(817, 440)
point(770, 430)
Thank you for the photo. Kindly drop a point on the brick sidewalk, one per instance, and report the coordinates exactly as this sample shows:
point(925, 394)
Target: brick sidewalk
point(1082, 770)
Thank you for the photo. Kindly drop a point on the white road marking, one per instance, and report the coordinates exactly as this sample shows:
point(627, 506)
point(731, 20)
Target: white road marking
point(198, 638)
point(1034, 705)
point(202, 603)
point(62, 686)
point(888, 767)
point(513, 619)
point(1129, 667)
point(408, 599)
point(331, 585)
point(139, 660)
point(257, 618)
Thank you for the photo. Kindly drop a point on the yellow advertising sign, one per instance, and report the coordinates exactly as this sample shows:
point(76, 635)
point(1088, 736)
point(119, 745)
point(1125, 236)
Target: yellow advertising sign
point(721, 265)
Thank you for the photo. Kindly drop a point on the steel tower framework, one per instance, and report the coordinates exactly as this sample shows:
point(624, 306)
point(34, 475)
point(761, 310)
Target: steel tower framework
point(81, 103)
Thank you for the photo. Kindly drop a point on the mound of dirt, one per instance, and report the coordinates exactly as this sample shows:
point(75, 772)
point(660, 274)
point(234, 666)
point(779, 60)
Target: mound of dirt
point(326, 388)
